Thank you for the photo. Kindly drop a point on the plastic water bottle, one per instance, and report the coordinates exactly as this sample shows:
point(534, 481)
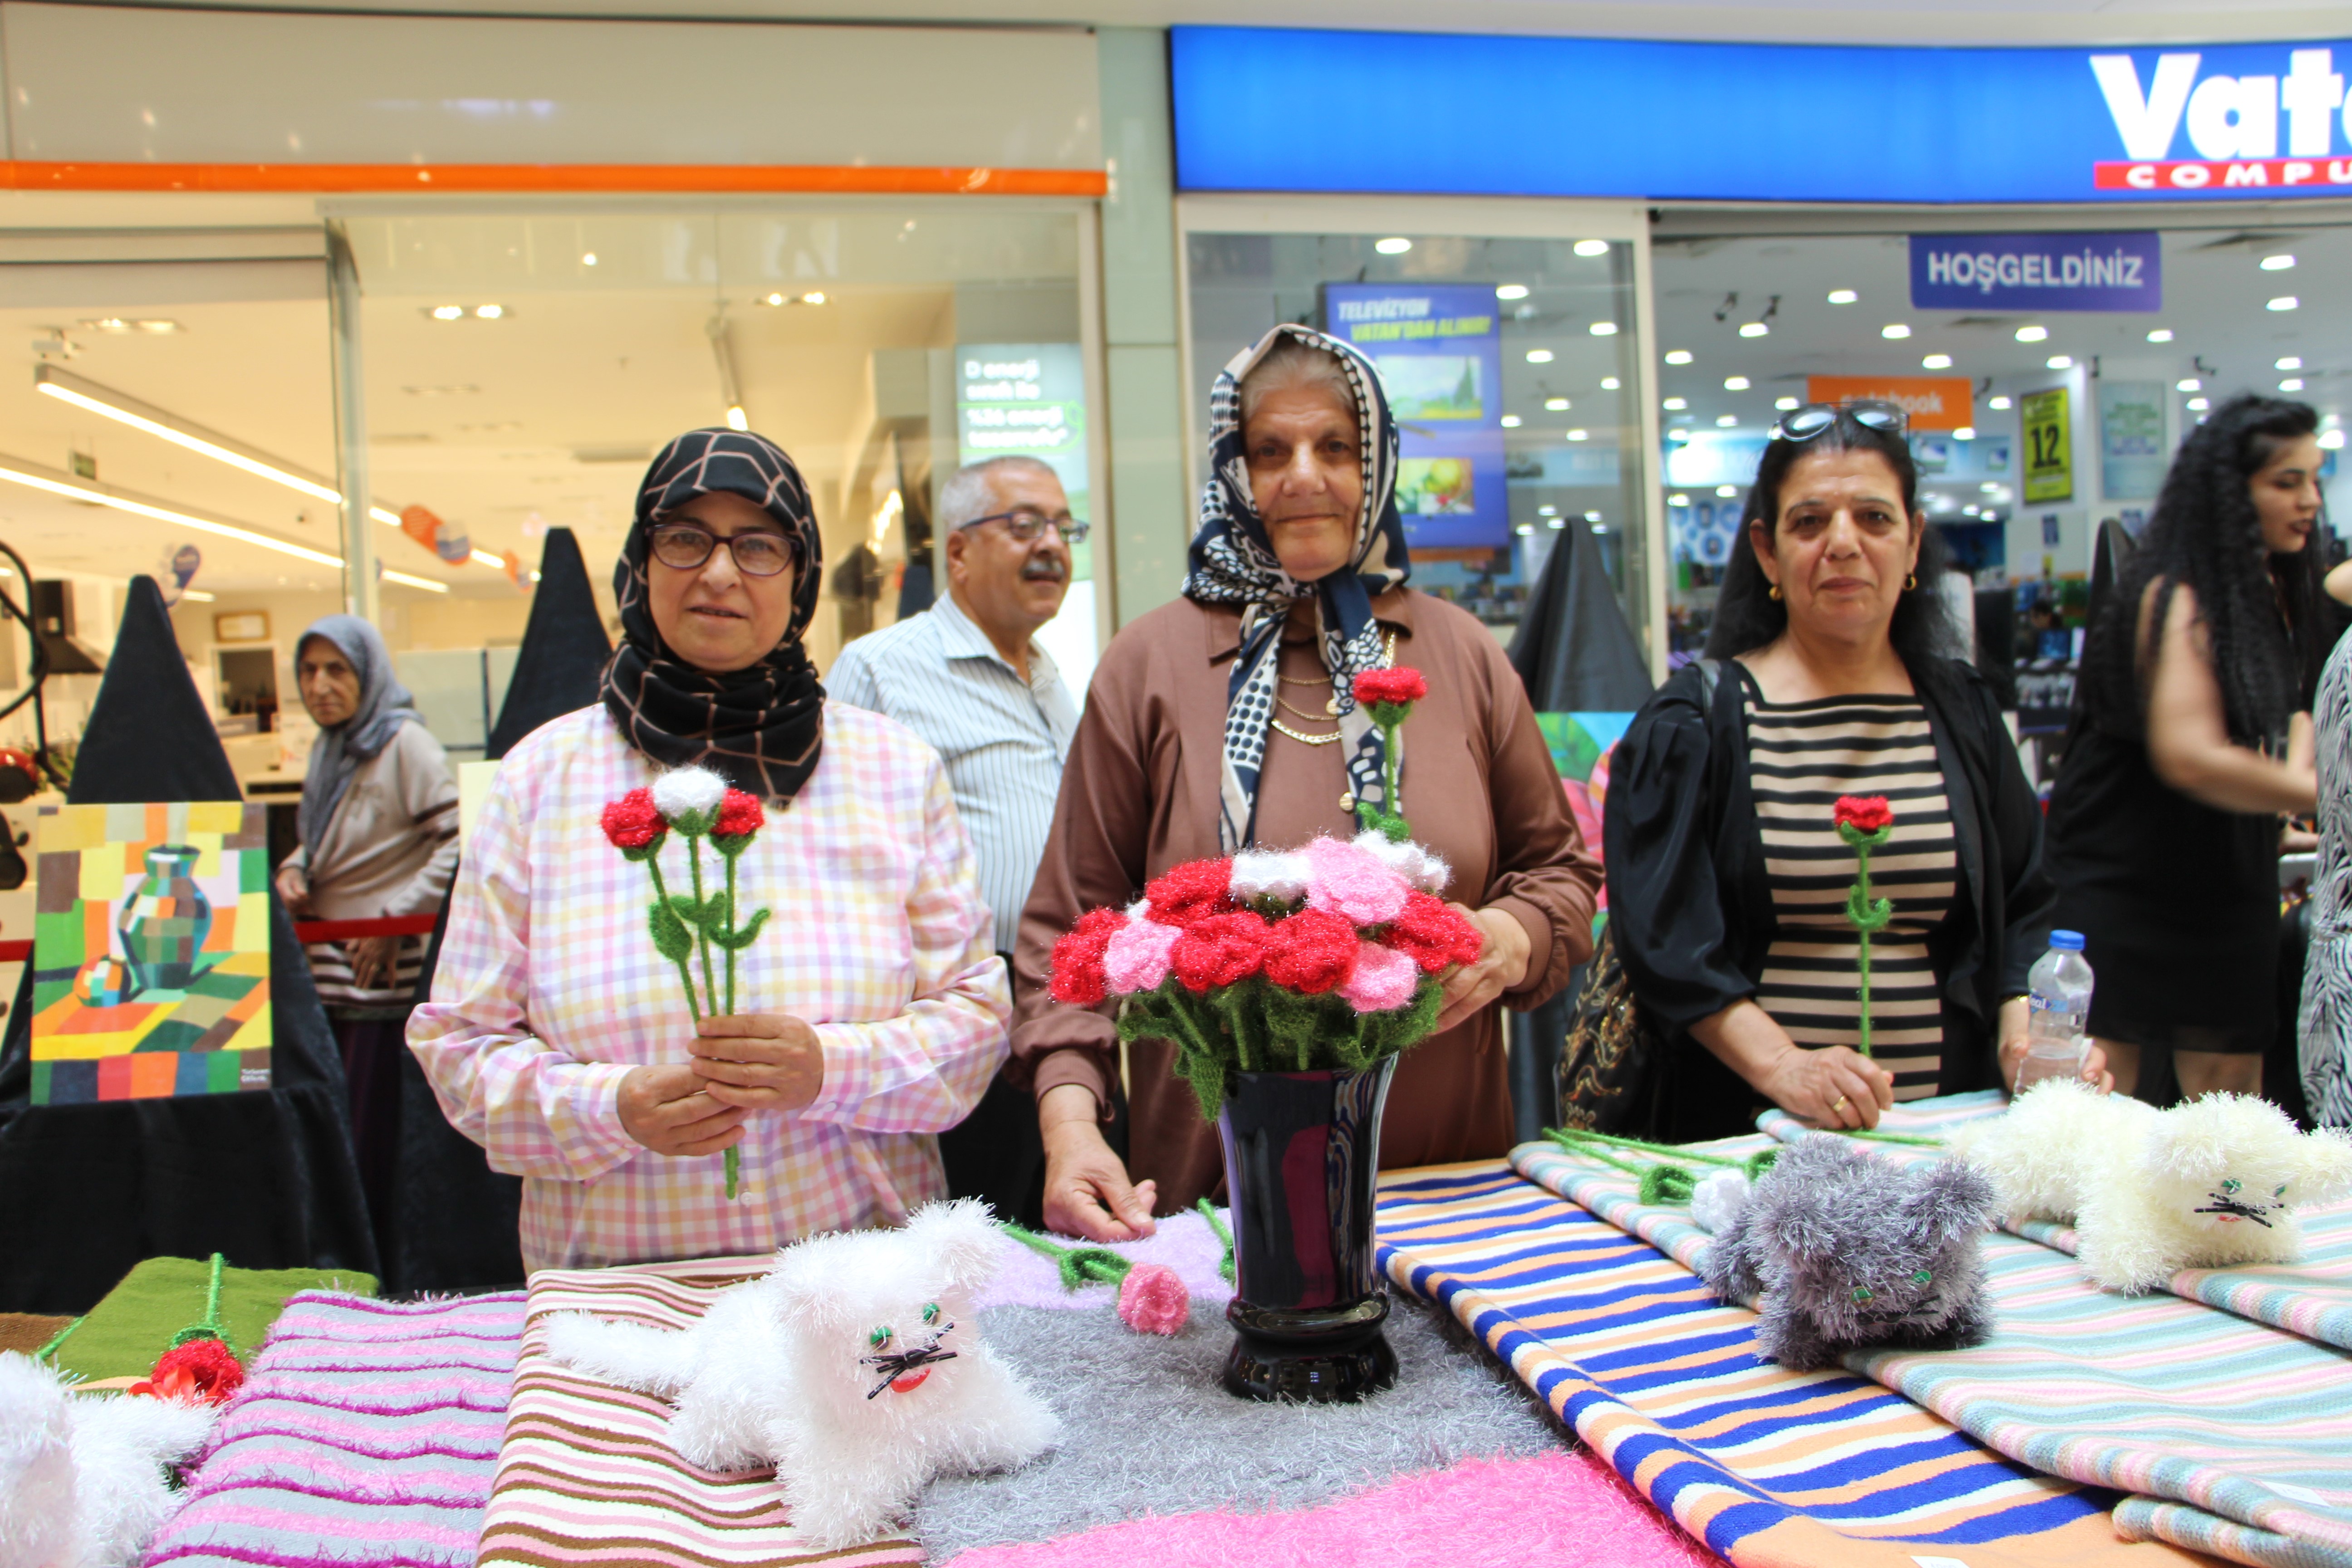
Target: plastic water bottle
point(2060, 1012)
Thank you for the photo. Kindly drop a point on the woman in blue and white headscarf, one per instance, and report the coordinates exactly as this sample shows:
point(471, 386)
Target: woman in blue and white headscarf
point(379, 831)
point(1225, 721)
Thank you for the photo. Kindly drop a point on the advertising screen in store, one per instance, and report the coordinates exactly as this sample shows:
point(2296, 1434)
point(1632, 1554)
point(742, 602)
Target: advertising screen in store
point(1439, 351)
point(1029, 400)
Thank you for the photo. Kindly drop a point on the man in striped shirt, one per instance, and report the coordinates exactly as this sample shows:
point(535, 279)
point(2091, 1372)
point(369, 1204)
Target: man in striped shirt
point(967, 675)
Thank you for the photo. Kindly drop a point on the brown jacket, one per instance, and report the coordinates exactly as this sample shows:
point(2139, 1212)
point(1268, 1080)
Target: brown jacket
point(1140, 794)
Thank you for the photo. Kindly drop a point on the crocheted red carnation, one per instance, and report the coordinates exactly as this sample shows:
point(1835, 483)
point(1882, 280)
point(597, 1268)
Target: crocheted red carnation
point(1219, 950)
point(1864, 813)
point(1400, 686)
point(633, 821)
point(1433, 935)
point(739, 815)
point(1310, 952)
point(201, 1369)
point(1191, 890)
point(1078, 979)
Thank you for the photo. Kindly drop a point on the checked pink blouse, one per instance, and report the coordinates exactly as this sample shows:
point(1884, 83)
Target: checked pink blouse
point(548, 991)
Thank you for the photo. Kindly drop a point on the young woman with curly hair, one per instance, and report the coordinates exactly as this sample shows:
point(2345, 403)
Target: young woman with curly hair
point(2191, 739)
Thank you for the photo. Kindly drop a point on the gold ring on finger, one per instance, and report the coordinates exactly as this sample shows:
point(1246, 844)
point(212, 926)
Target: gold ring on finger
point(1838, 1104)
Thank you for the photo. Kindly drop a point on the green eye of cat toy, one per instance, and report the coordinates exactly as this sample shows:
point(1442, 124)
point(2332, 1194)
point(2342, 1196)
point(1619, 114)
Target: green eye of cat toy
point(2278, 1191)
point(2230, 1185)
point(1863, 1295)
point(1922, 1278)
point(931, 1311)
point(878, 1337)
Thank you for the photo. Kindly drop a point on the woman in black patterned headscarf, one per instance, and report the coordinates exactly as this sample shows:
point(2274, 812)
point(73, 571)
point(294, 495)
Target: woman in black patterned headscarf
point(710, 670)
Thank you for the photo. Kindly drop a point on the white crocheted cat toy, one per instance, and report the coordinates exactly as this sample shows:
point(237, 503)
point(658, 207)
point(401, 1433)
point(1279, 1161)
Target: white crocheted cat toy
point(2207, 1184)
point(854, 1366)
point(83, 1478)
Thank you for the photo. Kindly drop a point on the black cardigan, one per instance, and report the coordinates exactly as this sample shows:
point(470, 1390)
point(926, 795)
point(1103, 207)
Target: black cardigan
point(1690, 905)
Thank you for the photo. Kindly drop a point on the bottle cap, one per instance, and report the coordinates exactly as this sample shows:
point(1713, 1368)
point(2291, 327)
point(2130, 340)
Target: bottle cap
point(2066, 941)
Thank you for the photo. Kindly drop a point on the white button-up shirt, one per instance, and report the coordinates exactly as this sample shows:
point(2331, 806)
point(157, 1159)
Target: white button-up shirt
point(1002, 739)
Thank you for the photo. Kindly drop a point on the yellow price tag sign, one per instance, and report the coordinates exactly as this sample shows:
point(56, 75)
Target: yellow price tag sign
point(2049, 446)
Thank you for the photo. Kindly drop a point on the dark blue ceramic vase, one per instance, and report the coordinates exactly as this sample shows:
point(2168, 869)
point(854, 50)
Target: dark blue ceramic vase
point(1302, 1155)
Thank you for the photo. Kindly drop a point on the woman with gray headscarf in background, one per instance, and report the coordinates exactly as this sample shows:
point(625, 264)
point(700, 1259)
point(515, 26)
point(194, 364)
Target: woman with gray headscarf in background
point(379, 831)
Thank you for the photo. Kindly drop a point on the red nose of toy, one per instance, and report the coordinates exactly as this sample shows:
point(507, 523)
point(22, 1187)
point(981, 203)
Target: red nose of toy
point(911, 1381)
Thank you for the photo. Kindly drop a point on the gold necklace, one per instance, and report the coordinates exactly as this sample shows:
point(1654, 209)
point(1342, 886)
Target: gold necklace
point(1302, 680)
point(1307, 740)
point(1330, 708)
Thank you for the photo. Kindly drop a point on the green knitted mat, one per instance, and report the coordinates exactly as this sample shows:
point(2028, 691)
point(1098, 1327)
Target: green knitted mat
point(123, 1334)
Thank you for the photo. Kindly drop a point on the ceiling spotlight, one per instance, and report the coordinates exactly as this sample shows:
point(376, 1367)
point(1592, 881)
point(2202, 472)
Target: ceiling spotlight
point(2032, 335)
point(1895, 329)
point(1726, 490)
point(1524, 530)
point(1678, 356)
point(2292, 362)
point(1676, 404)
point(1539, 356)
point(2199, 404)
point(1555, 522)
point(2283, 302)
point(1844, 296)
point(1964, 433)
point(1678, 434)
point(1971, 510)
point(1510, 291)
point(1728, 421)
point(1579, 435)
point(490, 312)
point(1595, 517)
point(2332, 439)
point(1678, 500)
point(736, 419)
point(2292, 384)
point(2189, 384)
point(1510, 421)
point(1609, 384)
point(813, 297)
point(1592, 247)
point(1735, 383)
point(1547, 511)
point(2060, 361)
point(774, 299)
point(2278, 263)
point(1602, 328)
point(2003, 401)
point(1555, 404)
point(2160, 335)
point(1395, 245)
point(1936, 362)
point(1754, 330)
point(1784, 404)
point(447, 312)
point(588, 259)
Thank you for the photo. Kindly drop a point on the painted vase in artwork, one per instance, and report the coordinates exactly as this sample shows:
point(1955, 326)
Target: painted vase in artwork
point(165, 921)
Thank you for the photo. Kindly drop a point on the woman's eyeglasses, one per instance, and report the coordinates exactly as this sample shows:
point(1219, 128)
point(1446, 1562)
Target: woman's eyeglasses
point(686, 547)
point(1025, 523)
point(1804, 424)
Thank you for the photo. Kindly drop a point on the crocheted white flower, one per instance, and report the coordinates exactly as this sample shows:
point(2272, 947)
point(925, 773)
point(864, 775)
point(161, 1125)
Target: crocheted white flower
point(681, 790)
point(1717, 1200)
point(1421, 868)
point(1267, 873)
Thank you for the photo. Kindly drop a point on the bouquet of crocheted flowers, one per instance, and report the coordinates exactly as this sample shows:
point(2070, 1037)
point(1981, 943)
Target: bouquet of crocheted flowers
point(695, 803)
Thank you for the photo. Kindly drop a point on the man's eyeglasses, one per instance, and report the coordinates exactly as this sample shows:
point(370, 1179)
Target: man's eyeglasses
point(1877, 414)
point(686, 547)
point(1025, 523)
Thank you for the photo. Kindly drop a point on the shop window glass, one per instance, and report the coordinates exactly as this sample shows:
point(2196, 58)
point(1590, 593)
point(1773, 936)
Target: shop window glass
point(1511, 365)
point(521, 369)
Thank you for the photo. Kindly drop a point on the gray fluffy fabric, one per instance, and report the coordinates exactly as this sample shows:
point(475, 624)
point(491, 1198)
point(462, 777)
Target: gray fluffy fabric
point(1148, 1429)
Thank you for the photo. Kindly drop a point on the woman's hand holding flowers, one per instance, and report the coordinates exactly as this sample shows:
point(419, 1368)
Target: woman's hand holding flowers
point(1501, 965)
point(759, 1061)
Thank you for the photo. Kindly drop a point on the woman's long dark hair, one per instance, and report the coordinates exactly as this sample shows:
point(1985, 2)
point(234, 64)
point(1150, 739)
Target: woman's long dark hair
point(1746, 616)
point(2261, 612)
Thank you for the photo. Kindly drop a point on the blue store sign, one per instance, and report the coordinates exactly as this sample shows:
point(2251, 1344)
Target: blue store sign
point(1441, 113)
point(2037, 271)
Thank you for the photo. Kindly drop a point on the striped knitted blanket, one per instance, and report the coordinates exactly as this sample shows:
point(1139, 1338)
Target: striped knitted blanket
point(2241, 1427)
point(2313, 1297)
point(366, 1432)
point(586, 1473)
point(1770, 1468)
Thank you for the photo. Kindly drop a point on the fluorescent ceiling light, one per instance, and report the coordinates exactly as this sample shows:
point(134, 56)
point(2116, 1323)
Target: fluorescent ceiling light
point(447, 312)
point(195, 596)
point(1935, 362)
point(2189, 384)
point(1557, 405)
point(1593, 517)
point(2199, 404)
point(1609, 384)
point(1524, 529)
point(1539, 356)
point(1964, 433)
point(2060, 361)
point(1726, 420)
point(490, 312)
point(1395, 245)
point(2292, 384)
point(1678, 356)
point(1726, 490)
point(1784, 404)
point(1510, 421)
point(2278, 263)
point(1675, 405)
point(96, 399)
point(2332, 439)
point(1547, 511)
point(1602, 328)
point(1895, 329)
point(1735, 383)
point(1579, 435)
point(1510, 291)
point(1592, 247)
point(1678, 500)
point(2032, 335)
point(2003, 401)
point(17, 472)
point(2160, 335)
point(2283, 302)
point(1754, 330)
point(1844, 296)
point(2291, 361)
point(484, 558)
point(427, 584)
point(1555, 522)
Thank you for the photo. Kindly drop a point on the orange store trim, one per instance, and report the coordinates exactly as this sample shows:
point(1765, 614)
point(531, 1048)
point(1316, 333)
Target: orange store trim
point(519, 178)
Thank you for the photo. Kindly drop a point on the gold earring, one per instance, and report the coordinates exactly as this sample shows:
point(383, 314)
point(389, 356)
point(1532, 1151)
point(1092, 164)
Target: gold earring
point(1911, 582)
point(1773, 591)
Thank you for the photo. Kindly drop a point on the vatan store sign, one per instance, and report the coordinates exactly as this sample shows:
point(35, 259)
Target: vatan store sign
point(2037, 271)
point(1469, 114)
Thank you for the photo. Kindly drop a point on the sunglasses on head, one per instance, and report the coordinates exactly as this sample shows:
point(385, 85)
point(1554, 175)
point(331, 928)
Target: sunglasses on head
point(1877, 414)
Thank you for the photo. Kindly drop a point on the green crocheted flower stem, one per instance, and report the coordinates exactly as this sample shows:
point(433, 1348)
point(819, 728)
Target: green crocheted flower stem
point(1078, 1265)
point(1866, 915)
point(210, 1327)
point(46, 1351)
point(1208, 1211)
point(1913, 1139)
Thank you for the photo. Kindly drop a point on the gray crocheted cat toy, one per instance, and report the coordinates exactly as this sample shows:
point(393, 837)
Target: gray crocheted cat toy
point(1847, 1250)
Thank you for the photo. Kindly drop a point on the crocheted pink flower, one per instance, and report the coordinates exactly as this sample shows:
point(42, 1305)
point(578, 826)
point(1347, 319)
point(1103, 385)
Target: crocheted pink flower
point(1352, 883)
point(1136, 957)
point(1382, 980)
point(1152, 1300)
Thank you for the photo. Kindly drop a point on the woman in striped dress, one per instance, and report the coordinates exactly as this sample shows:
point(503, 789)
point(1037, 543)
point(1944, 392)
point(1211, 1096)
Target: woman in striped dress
point(1728, 876)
